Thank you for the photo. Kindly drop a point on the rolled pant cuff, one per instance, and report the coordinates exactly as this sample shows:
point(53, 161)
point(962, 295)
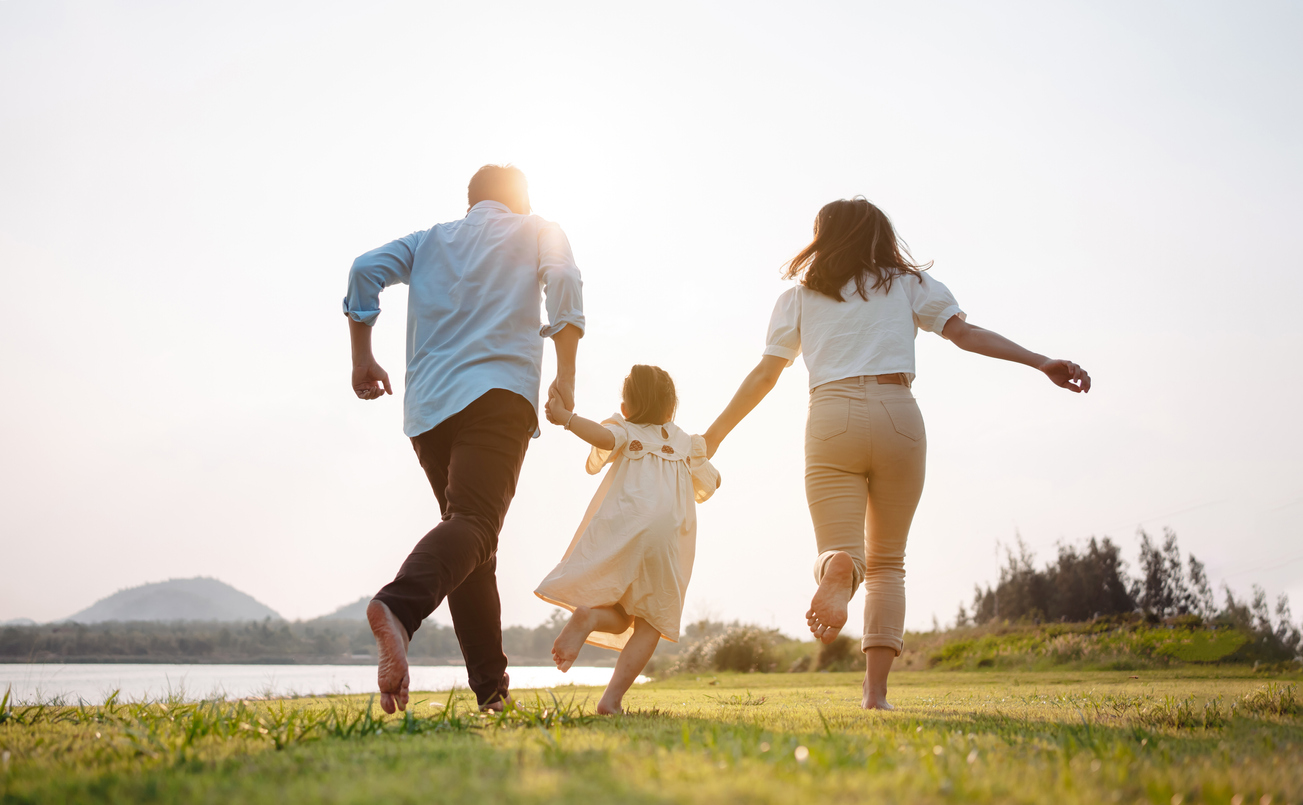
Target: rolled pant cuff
point(822, 562)
point(400, 611)
point(882, 641)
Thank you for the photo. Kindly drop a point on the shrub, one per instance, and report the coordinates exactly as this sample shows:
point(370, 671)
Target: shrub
point(1204, 646)
point(800, 665)
point(1273, 700)
point(1186, 713)
point(697, 657)
point(795, 656)
point(842, 654)
point(739, 648)
point(747, 648)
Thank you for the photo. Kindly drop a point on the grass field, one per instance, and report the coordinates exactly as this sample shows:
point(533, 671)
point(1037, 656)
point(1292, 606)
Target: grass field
point(1195, 735)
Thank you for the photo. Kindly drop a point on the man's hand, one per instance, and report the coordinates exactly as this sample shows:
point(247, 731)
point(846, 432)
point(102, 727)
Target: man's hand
point(565, 389)
point(370, 382)
point(556, 411)
point(1067, 375)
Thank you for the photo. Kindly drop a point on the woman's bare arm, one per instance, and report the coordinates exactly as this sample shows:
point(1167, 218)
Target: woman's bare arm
point(757, 384)
point(971, 338)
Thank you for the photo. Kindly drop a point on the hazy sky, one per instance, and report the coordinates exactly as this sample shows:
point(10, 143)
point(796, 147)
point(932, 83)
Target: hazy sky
point(184, 185)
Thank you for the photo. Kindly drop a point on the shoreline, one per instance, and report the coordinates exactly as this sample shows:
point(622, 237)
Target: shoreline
point(341, 661)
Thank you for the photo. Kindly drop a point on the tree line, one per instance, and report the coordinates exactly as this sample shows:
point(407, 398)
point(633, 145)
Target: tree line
point(1091, 581)
point(1081, 584)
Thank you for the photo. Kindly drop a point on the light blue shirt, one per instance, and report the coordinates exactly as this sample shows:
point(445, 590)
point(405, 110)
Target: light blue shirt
point(473, 312)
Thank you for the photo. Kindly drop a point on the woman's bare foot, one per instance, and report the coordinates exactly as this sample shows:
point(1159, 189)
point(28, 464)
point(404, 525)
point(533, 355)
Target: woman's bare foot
point(391, 646)
point(565, 650)
point(827, 613)
point(877, 667)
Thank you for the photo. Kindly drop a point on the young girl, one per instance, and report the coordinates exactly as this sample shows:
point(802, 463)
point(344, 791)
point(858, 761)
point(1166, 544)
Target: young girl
point(627, 568)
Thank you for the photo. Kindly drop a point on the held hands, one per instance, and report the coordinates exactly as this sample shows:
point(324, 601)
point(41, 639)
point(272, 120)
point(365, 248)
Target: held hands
point(565, 389)
point(370, 382)
point(1067, 375)
point(556, 410)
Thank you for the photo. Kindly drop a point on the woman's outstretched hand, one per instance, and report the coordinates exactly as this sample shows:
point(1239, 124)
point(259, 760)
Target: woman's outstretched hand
point(971, 338)
point(1066, 375)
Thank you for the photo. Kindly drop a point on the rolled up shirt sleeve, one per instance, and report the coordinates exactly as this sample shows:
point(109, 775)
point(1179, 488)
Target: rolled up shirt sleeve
point(562, 284)
point(784, 337)
point(933, 304)
point(376, 270)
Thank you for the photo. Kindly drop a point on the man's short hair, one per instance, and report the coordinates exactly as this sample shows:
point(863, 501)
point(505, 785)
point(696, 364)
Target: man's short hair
point(502, 183)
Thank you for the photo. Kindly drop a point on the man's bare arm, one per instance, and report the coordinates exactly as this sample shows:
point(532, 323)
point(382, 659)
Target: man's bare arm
point(370, 382)
point(566, 342)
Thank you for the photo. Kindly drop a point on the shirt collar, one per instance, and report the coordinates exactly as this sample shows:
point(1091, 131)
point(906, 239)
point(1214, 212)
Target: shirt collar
point(489, 205)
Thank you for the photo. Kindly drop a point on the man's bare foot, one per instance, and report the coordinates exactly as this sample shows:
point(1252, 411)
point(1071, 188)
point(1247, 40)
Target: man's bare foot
point(391, 646)
point(495, 706)
point(565, 650)
point(827, 613)
point(874, 704)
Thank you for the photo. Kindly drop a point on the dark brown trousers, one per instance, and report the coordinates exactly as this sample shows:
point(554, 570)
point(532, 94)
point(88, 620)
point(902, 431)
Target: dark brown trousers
point(473, 461)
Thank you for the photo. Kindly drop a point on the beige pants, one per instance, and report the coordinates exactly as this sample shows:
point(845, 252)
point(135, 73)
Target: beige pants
point(865, 450)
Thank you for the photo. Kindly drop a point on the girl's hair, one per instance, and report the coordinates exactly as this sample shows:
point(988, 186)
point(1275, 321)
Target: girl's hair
point(649, 396)
point(853, 239)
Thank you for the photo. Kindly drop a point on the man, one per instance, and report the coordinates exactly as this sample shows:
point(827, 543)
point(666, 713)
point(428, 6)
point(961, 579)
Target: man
point(474, 361)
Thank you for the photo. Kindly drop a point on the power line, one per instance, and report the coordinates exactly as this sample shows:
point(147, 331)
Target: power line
point(1286, 506)
point(1169, 514)
point(1275, 564)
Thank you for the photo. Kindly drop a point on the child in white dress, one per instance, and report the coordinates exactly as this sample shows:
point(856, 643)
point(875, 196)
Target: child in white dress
point(627, 569)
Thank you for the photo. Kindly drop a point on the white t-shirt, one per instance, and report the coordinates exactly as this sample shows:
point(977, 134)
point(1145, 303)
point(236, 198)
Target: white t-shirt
point(858, 337)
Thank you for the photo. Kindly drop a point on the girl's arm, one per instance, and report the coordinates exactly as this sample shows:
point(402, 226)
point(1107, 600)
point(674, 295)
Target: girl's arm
point(972, 338)
point(586, 429)
point(753, 389)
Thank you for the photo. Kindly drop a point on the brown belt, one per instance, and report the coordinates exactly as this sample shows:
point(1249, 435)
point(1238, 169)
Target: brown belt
point(893, 379)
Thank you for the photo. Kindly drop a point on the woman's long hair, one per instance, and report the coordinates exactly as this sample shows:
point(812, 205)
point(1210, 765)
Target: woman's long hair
point(853, 239)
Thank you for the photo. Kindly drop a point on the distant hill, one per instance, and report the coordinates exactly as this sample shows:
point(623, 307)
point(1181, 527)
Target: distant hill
point(18, 622)
point(355, 611)
point(198, 599)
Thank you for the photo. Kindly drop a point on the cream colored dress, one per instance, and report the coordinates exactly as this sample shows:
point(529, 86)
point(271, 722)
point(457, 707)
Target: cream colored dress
point(636, 543)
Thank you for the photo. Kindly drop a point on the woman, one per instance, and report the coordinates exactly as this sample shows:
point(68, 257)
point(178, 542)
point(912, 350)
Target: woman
point(859, 304)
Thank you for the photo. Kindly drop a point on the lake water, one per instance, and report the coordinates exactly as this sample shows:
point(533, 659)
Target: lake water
point(92, 683)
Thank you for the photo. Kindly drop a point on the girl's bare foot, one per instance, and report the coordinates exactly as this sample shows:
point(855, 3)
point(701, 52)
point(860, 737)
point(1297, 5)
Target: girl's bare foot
point(605, 708)
point(874, 704)
point(566, 648)
point(827, 613)
point(633, 659)
point(391, 646)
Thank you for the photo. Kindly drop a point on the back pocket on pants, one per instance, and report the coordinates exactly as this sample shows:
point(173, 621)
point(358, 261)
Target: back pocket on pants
point(905, 418)
point(828, 417)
